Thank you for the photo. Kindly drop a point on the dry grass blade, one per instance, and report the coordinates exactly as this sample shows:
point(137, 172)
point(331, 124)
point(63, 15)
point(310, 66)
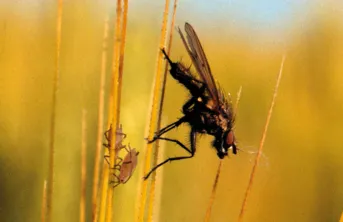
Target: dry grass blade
point(43, 209)
point(214, 188)
point(122, 50)
point(104, 187)
point(341, 220)
point(106, 169)
point(259, 152)
point(159, 187)
point(159, 118)
point(154, 114)
point(213, 195)
point(117, 82)
point(53, 110)
point(83, 168)
point(100, 123)
point(239, 93)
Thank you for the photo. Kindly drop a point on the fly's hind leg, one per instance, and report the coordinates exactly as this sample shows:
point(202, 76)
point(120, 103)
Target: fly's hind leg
point(191, 151)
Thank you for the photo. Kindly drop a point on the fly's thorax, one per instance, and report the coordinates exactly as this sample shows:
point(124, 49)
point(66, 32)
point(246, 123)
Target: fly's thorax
point(223, 122)
point(210, 104)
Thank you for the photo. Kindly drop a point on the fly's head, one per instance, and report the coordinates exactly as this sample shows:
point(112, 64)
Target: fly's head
point(225, 137)
point(224, 142)
point(230, 141)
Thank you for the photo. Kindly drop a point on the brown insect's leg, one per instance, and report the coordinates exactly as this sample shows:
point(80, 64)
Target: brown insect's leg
point(116, 183)
point(106, 158)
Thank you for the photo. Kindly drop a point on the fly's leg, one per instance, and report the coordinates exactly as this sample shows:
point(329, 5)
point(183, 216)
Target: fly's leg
point(177, 142)
point(191, 151)
point(167, 57)
point(168, 128)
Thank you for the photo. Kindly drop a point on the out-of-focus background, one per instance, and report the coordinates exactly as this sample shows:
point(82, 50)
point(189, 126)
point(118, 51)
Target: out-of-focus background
point(299, 177)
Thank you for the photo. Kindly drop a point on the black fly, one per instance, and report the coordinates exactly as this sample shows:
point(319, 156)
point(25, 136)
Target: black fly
point(207, 111)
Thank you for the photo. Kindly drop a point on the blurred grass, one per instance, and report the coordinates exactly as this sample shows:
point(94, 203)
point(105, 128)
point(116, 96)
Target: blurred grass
point(302, 180)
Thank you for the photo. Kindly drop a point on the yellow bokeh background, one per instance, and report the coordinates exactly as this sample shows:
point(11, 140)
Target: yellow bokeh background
point(299, 177)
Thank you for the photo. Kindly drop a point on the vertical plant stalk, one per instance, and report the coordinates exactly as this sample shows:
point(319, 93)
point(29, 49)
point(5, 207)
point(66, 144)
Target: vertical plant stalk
point(213, 194)
point(43, 209)
point(341, 220)
point(100, 122)
point(117, 78)
point(122, 52)
point(259, 152)
point(215, 184)
point(154, 114)
point(159, 187)
point(106, 171)
point(53, 110)
point(159, 118)
point(83, 167)
point(239, 94)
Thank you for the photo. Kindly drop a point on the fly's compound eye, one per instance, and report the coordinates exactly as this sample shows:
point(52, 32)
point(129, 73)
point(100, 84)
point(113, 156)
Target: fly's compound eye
point(229, 139)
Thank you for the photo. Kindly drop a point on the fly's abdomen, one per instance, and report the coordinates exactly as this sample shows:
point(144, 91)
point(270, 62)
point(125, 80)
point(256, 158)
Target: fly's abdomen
point(183, 76)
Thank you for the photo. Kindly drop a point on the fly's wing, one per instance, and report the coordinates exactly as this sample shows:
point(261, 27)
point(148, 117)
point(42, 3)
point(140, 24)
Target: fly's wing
point(200, 62)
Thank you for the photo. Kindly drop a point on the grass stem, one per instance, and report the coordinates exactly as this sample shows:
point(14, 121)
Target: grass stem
point(159, 118)
point(213, 194)
point(83, 167)
point(97, 160)
point(214, 187)
point(154, 114)
point(43, 209)
point(53, 110)
point(259, 152)
point(118, 52)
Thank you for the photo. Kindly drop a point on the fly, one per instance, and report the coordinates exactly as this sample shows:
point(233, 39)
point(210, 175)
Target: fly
point(207, 111)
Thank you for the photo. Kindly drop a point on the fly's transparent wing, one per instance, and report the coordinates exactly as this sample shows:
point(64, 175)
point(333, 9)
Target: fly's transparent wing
point(200, 62)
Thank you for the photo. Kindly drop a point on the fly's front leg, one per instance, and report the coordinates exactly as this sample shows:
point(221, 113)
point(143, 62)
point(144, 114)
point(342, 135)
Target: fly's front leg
point(168, 128)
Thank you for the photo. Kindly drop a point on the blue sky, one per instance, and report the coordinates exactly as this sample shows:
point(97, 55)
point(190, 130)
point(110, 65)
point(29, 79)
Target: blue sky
point(251, 13)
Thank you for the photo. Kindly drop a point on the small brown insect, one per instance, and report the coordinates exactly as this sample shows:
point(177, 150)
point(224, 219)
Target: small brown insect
point(119, 139)
point(125, 166)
